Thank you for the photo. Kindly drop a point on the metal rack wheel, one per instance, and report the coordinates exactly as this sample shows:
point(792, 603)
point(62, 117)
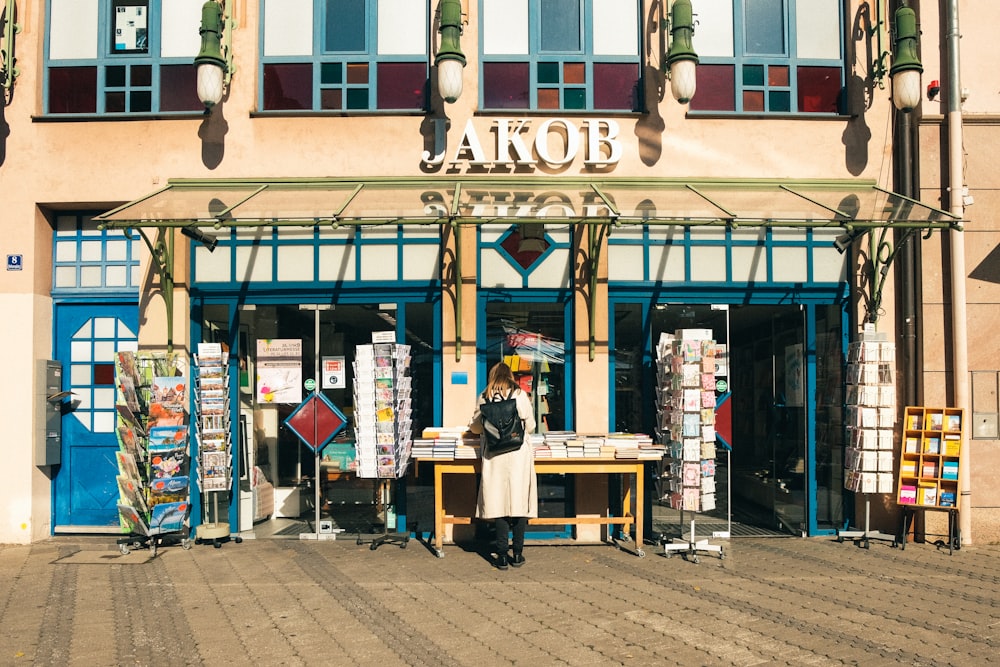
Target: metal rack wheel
point(238, 539)
point(185, 544)
point(153, 548)
point(640, 553)
point(217, 544)
point(123, 547)
point(722, 554)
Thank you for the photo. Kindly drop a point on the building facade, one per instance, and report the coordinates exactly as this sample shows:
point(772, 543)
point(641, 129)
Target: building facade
point(564, 208)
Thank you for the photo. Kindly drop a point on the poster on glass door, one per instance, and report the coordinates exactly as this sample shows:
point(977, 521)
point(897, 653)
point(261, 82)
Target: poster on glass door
point(279, 370)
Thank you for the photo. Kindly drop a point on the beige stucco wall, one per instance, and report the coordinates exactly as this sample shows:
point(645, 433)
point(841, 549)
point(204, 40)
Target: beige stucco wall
point(100, 164)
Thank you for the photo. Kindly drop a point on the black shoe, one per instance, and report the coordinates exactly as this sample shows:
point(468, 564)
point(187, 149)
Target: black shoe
point(501, 562)
point(517, 560)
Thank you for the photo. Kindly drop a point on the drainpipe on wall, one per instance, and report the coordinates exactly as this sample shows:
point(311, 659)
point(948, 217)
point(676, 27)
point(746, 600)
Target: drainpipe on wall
point(960, 334)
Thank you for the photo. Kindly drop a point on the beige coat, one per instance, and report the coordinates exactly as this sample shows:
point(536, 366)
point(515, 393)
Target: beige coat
point(509, 486)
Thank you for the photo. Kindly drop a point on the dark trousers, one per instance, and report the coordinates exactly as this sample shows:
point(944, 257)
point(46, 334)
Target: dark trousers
point(507, 524)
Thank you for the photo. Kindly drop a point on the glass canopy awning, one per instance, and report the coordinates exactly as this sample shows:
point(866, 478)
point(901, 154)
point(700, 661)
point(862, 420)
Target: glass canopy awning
point(220, 203)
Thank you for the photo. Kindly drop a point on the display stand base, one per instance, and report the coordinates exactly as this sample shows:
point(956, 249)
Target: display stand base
point(863, 537)
point(151, 542)
point(215, 534)
point(383, 499)
point(690, 549)
point(954, 535)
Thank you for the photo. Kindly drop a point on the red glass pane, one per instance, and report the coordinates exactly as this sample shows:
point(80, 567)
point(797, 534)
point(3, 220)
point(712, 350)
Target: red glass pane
point(331, 99)
point(574, 73)
point(179, 88)
point(141, 75)
point(616, 86)
point(753, 100)
point(357, 72)
point(819, 89)
point(505, 85)
point(288, 86)
point(548, 98)
point(73, 90)
point(777, 75)
point(114, 102)
point(401, 86)
point(104, 374)
point(716, 88)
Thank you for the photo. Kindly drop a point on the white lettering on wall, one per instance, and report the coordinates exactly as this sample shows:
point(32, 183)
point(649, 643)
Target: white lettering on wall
point(556, 144)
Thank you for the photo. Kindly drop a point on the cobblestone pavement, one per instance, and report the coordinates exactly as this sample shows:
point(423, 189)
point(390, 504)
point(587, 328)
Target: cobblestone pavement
point(814, 601)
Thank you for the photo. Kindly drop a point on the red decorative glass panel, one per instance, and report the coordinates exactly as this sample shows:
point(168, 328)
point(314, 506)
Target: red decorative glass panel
point(616, 86)
point(73, 90)
point(753, 100)
point(548, 98)
point(505, 85)
point(357, 72)
point(777, 75)
point(331, 99)
point(574, 73)
point(716, 88)
point(179, 88)
point(288, 86)
point(402, 85)
point(819, 89)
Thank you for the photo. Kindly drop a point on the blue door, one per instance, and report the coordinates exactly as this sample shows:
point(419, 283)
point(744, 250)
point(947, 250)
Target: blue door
point(87, 336)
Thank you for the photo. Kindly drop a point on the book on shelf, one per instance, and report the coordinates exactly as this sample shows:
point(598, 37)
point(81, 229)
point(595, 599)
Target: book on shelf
point(935, 421)
point(932, 445)
point(953, 423)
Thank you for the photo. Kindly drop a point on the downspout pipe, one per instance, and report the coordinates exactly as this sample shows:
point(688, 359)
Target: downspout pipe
point(960, 333)
point(906, 146)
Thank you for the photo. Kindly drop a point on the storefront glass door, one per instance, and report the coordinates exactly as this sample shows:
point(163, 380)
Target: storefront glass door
point(786, 393)
point(278, 475)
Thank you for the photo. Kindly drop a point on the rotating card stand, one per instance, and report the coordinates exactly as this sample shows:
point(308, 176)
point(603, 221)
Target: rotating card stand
point(383, 501)
point(690, 549)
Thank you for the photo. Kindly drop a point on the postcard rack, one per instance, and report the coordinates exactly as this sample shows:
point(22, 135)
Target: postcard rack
point(152, 456)
point(930, 468)
point(214, 444)
point(382, 426)
point(685, 404)
point(870, 423)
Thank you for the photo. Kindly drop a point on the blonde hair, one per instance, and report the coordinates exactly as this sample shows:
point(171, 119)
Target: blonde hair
point(500, 380)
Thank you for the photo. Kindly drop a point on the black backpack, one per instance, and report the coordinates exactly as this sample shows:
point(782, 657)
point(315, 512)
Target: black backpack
point(502, 425)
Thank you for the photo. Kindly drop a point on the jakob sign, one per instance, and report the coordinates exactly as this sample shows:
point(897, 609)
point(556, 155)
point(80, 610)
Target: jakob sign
point(555, 142)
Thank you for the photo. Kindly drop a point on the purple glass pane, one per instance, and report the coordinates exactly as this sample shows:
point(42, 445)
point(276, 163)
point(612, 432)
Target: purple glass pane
point(505, 85)
point(179, 88)
point(114, 102)
point(401, 85)
point(73, 90)
point(616, 86)
point(288, 86)
point(819, 89)
point(716, 89)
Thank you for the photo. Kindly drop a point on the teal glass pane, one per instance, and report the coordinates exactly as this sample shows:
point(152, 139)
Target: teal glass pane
point(753, 75)
point(574, 98)
point(357, 98)
point(548, 72)
point(331, 73)
point(345, 26)
point(560, 25)
point(779, 100)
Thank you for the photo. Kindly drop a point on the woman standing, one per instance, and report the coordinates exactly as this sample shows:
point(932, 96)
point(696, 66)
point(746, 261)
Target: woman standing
point(508, 491)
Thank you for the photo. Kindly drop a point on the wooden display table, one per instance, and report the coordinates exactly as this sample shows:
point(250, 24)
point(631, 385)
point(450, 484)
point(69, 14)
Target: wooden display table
point(633, 468)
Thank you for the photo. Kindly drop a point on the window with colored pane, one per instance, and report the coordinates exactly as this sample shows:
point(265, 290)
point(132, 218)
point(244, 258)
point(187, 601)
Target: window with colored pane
point(366, 55)
point(129, 57)
point(560, 54)
point(770, 56)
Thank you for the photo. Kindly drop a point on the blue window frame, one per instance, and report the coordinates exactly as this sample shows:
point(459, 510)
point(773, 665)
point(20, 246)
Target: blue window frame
point(568, 55)
point(121, 57)
point(361, 56)
point(770, 57)
point(89, 260)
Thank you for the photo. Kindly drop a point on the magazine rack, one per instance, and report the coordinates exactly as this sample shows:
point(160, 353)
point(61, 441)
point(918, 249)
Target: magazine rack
point(153, 462)
point(929, 468)
point(382, 425)
point(214, 444)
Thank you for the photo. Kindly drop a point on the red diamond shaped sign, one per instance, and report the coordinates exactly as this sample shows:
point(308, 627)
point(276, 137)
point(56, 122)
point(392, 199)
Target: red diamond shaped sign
point(316, 421)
